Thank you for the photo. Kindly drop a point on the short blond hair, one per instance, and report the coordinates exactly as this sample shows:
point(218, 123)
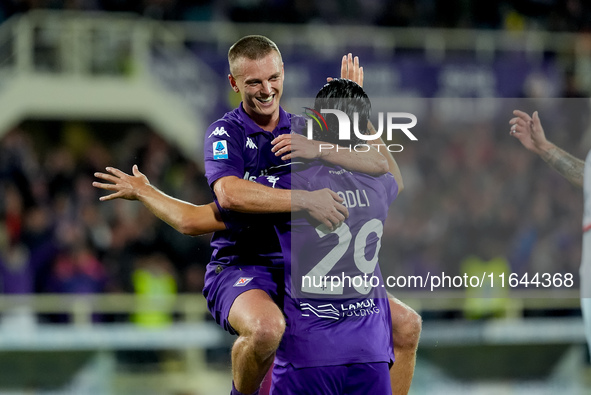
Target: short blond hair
point(251, 47)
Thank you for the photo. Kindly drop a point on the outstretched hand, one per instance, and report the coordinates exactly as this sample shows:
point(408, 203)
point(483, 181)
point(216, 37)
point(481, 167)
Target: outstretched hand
point(529, 131)
point(350, 69)
point(123, 185)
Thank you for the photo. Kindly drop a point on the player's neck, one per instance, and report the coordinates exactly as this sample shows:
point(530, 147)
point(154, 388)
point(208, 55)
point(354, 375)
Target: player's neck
point(266, 122)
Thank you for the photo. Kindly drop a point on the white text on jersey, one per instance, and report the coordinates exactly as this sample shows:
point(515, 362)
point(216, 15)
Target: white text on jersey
point(354, 198)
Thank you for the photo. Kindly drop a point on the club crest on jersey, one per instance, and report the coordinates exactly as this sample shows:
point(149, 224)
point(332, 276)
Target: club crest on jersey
point(220, 149)
point(219, 131)
point(242, 281)
point(250, 144)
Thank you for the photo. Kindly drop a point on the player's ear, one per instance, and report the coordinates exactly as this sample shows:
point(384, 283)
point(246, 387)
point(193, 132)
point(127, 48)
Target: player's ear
point(233, 83)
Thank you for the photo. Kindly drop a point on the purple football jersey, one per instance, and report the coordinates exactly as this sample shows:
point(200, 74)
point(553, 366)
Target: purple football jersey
point(236, 146)
point(327, 324)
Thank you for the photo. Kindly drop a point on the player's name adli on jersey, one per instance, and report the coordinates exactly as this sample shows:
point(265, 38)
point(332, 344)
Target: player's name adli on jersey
point(356, 198)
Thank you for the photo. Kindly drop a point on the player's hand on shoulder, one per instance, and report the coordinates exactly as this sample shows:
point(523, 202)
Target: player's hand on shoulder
point(291, 146)
point(350, 69)
point(121, 184)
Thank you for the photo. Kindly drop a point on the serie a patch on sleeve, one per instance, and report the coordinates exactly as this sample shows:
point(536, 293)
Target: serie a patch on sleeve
point(220, 149)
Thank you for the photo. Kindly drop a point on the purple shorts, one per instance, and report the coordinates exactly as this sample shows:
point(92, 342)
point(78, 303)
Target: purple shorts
point(225, 283)
point(353, 379)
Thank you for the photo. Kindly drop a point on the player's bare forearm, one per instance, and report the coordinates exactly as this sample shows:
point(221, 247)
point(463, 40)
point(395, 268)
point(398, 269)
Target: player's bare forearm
point(570, 167)
point(236, 194)
point(185, 217)
point(392, 165)
point(291, 146)
point(370, 162)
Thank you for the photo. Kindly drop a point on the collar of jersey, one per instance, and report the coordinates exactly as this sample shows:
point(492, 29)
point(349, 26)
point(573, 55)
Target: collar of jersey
point(251, 128)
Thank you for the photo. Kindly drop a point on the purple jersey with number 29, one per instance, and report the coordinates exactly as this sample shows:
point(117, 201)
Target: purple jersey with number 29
point(327, 323)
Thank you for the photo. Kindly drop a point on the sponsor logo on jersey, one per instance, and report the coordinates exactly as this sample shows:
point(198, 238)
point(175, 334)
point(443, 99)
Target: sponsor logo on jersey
point(250, 144)
point(219, 131)
point(242, 281)
point(339, 172)
point(220, 149)
point(361, 308)
point(272, 180)
point(323, 311)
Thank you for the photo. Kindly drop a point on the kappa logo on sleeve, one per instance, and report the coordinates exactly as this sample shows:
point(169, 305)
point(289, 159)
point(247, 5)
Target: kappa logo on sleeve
point(250, 144)
point(220, 149)
point(219, 131)
point(242, 281)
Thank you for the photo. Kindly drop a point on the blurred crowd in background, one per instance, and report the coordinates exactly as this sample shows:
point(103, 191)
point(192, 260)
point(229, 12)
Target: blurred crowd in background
point(55, 235)
point(553, 15)
point(473, 194)
point(476, 200)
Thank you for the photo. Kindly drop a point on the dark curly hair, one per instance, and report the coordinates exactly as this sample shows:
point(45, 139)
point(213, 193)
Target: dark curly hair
point(348, 97)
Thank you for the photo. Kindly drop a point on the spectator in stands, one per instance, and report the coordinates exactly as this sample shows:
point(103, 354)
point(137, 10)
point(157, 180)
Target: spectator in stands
point(155, 284)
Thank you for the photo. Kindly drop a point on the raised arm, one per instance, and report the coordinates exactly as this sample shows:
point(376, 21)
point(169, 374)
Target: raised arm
point(187, 218)
point(233, 194)
point(350, 69)
point(373, 161)
point(392, 165)
point(530, 133)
